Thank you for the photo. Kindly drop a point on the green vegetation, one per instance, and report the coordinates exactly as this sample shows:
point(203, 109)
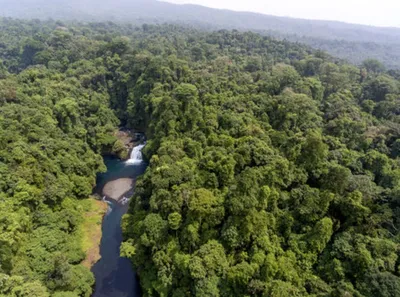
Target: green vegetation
point(352, 42)
point(53, 128)
point(94, 211)
point(274, 170)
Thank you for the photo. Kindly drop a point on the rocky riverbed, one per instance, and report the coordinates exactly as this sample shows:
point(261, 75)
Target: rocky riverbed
point(117, 188)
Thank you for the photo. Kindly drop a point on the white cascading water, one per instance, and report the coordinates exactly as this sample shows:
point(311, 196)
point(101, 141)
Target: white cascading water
point(124, 200)
point(109, 209)
point(136, 155)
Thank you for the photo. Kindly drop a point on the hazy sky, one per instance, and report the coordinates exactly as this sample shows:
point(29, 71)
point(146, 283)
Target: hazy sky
point(368, 12)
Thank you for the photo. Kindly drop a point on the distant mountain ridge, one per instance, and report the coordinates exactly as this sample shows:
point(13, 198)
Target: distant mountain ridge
point(377, 41)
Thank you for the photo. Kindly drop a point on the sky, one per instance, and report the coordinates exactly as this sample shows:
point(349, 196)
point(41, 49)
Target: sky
point(367, 12)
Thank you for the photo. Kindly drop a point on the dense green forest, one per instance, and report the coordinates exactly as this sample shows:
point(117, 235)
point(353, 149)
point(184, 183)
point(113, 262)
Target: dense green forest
point(273, 169)
point(352, 42)
point(355, 52)
point(55, 122)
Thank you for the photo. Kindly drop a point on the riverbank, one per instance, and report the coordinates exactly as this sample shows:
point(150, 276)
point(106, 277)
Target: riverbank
point(95, 211)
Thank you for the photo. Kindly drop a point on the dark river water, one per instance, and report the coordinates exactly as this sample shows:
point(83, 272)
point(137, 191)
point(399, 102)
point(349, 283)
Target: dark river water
point(114, 275)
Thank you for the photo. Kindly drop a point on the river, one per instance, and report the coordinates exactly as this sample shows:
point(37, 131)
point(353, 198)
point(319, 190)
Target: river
point(114, 275)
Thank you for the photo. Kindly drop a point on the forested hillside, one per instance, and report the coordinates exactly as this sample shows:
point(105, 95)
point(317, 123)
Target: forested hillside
point(273, 169)
point(55, 121)
point(348, 41)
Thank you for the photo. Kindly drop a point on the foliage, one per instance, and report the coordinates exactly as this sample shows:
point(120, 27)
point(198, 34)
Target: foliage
point(273, 169)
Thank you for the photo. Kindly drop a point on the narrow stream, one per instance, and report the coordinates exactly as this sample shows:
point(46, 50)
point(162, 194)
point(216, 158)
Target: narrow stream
point(114, 275)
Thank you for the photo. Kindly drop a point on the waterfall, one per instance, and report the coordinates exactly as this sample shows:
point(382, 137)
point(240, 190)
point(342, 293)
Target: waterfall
point(136, 155)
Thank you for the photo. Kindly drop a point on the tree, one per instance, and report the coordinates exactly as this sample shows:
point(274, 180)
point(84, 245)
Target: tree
point(373, 65)
point(380, 86)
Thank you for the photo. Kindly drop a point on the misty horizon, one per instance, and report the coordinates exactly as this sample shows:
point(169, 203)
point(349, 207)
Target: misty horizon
point(374, 13)
point(339, 38)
